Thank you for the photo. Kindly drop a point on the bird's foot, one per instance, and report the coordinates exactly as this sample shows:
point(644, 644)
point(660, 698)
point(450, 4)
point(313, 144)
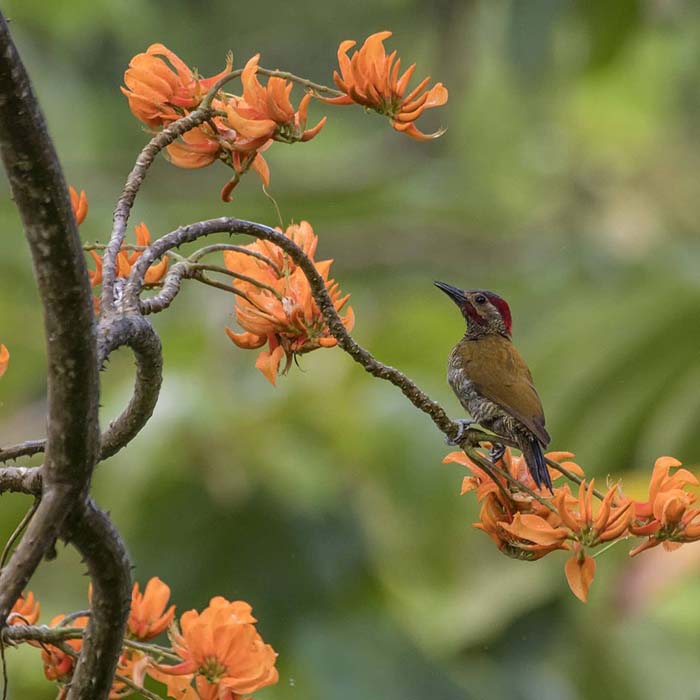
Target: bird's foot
point(464, 424)
point(496, 452)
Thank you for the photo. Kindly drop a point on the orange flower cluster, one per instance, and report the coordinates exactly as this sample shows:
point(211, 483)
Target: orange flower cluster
point(4, 359)
point(275, 305)
point(372, 79)
point(528, 528)
point(161, 89)
point(667, 517)
point(126, 260)
point(220, 649)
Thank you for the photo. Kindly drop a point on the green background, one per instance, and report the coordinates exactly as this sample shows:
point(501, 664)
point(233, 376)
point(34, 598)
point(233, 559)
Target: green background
point(567, 182)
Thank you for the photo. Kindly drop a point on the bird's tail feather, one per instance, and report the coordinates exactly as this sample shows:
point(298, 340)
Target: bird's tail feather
point(536, 463)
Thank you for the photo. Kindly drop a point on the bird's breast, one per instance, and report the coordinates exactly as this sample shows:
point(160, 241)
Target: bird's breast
point(468, 393)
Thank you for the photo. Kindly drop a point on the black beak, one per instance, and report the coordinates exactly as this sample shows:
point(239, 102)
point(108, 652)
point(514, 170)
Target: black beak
point(457, 295)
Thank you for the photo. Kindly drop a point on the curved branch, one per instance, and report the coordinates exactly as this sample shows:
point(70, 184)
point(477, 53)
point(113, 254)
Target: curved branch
point(171, 288)
point(102, 549)
point(131, 188)
point(41, 196)
point(187, 234)
point(138, 334)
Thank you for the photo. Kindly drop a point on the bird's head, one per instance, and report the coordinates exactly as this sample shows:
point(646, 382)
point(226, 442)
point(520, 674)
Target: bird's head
point(485, 312)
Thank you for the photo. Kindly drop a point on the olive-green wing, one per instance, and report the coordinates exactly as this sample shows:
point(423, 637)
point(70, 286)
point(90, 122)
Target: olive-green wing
point(500, 374)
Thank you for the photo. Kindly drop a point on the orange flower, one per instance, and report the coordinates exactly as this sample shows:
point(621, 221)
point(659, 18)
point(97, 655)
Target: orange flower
point(79, 204)
point(667, 517)
point(148, 616)
point(4, 359)
point(126, 260)
point(195, 149)
point(128, 666)
point(265, 113)
point(580, 570)
point(222, 649)
point(371, 78)
point(58, 665)
point(160, 87)
point(278, 308)
point(609, 523)
point(25, 611)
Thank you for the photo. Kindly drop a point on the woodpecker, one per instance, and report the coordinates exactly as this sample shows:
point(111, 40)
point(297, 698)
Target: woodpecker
point(492, 381)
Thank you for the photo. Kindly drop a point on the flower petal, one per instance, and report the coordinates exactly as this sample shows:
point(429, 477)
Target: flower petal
point(579, 575)
point(247, 341)
point(268, 363)
point(4, 359)
point(535, 529)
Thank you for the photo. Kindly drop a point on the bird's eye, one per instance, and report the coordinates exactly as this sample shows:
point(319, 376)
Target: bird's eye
point(480, 299)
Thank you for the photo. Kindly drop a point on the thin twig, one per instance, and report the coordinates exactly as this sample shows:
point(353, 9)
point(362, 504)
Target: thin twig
point(71, 617)
point(571, 476)
point(236, 275)
point(5, 677)
point(486, 464)
point(125, 246)
point(152, 649)
point(217, 247)
point(130, 247)
point(200, 277)
point(17, 532)
point(23, 449)
point(308, 84)
point(136, 688)
point(302, 82)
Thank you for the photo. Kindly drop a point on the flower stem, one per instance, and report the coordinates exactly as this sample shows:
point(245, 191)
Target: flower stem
point(488, 465)
point(571, 476)
point(236, 275)
point(216, 247)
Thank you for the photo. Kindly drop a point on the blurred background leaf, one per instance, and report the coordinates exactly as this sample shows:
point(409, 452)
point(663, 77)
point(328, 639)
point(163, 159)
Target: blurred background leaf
point(567, 181)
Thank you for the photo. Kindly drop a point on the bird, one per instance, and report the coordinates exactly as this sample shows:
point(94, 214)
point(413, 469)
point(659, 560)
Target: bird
point(492, 381)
